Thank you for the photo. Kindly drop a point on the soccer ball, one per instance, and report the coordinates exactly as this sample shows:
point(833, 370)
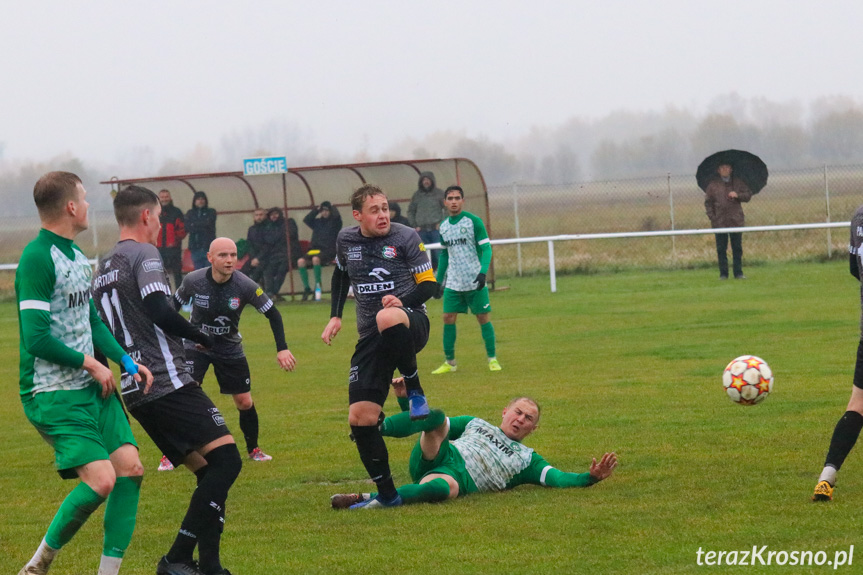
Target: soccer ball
point(747, 380)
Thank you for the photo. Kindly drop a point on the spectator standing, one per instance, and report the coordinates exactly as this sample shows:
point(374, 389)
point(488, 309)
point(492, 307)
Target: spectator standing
point(201, 226)
point(170, 241)
point(275, 252)
point(254, 267)
point(426, 211)
point(722, 202)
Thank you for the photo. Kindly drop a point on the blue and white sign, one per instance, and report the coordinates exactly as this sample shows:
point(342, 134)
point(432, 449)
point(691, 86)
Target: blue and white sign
point(262, 166)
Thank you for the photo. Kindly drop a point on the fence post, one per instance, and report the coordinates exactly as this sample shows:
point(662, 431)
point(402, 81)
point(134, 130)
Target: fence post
point(671, 209)
point(827, 200)
point(517, 232)
point(551, 267)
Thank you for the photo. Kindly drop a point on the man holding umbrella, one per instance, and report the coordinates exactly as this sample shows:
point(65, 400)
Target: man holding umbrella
point(725, 189)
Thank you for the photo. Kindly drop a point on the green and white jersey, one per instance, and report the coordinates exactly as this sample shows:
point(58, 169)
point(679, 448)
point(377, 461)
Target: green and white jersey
point(490, 457)
point(462, 236)
point(52, 286)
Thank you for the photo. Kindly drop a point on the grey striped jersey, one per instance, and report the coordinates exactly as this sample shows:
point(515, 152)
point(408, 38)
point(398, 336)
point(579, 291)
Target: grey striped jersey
point(125, 276)
point(216, 308)
point(377, 266)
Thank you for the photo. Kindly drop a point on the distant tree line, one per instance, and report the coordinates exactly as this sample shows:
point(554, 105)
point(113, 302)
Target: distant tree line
point(620, 145)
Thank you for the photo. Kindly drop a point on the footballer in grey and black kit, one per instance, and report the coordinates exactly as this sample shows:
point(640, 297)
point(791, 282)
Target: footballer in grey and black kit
point(131, 290)
point(391, 276)
point(376, 267)
point(126, 277)
point(216, 310)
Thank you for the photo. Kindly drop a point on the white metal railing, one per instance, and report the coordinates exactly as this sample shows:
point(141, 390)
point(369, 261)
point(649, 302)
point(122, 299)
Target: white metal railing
point(611, 235)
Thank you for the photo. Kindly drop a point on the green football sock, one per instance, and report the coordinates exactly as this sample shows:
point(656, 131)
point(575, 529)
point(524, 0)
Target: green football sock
point(400, 424)
point(74, 511)
point(120, 513)
point(488, 337)
point(434, 490)
point(430, 492)
point(317, 270)
point(304, 276)
point(449, 341)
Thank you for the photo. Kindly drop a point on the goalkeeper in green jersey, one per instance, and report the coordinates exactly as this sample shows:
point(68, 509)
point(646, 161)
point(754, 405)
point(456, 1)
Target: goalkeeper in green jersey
point(67, 394)
point(462, 455)
point(461, 272)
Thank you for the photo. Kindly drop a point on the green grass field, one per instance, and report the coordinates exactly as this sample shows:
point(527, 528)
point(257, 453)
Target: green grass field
point(629, 362)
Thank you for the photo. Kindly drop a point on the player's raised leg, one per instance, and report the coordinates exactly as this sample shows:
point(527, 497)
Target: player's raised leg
point(397, 343)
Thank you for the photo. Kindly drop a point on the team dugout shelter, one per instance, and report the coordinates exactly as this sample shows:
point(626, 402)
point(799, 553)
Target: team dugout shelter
point(236, 195)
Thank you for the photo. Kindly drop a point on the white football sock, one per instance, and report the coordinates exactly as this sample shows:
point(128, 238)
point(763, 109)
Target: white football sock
point(828, 475)
point(110, 565)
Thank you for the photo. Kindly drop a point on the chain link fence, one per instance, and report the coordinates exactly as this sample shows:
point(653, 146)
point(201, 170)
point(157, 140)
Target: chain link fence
point(669, 202)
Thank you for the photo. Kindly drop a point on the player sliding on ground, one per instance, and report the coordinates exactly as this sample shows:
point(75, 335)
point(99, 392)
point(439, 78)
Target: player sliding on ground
point(461, 455)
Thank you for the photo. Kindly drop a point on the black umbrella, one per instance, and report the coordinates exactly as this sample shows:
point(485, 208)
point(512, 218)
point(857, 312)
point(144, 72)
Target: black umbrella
point(746, 166)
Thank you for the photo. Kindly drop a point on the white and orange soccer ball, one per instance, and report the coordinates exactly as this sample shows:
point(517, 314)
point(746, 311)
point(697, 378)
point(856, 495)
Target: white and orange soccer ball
point(747, 380)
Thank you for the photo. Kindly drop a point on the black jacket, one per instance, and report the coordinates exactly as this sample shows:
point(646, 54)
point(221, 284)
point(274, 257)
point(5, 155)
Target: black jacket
point(201, 224)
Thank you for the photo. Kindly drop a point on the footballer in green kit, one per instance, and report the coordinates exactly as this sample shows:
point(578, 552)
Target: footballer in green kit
point(457, 456)
point(461, 272)
point(69, 396)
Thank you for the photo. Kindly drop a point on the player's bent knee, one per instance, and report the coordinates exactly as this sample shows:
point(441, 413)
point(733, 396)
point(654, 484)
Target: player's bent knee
point(450, 481)
point(99, 476)
point(363, 413)
point(316, 261)
point(388, 317)
point(856, 401)
point(243, 401)
point(126, 462)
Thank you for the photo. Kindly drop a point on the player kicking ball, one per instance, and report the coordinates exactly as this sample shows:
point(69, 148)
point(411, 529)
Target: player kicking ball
point(218, 295)
point(461, 455)
point(392, 277)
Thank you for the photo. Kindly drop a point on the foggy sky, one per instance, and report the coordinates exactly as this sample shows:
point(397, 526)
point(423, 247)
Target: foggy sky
point(100, 79)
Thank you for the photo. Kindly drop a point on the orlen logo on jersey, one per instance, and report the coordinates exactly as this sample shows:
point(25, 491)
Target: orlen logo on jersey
point(375, 287)
point(220, 329)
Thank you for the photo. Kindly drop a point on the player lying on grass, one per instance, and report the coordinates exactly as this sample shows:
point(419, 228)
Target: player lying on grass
point(462, 455)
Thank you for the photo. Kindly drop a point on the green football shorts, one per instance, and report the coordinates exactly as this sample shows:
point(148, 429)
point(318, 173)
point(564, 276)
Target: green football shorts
point(448, 462)
point(460, 301)
point(80, 425)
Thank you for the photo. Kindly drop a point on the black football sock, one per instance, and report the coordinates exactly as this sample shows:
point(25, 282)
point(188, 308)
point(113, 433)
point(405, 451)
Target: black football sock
point(375, 458)
point(844, 437)
point(398, 345)
point(249, 427)
point(225, 464)
point(203, 522)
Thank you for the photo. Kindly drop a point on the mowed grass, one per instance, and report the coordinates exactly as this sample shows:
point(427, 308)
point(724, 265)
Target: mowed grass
point(629, 362)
